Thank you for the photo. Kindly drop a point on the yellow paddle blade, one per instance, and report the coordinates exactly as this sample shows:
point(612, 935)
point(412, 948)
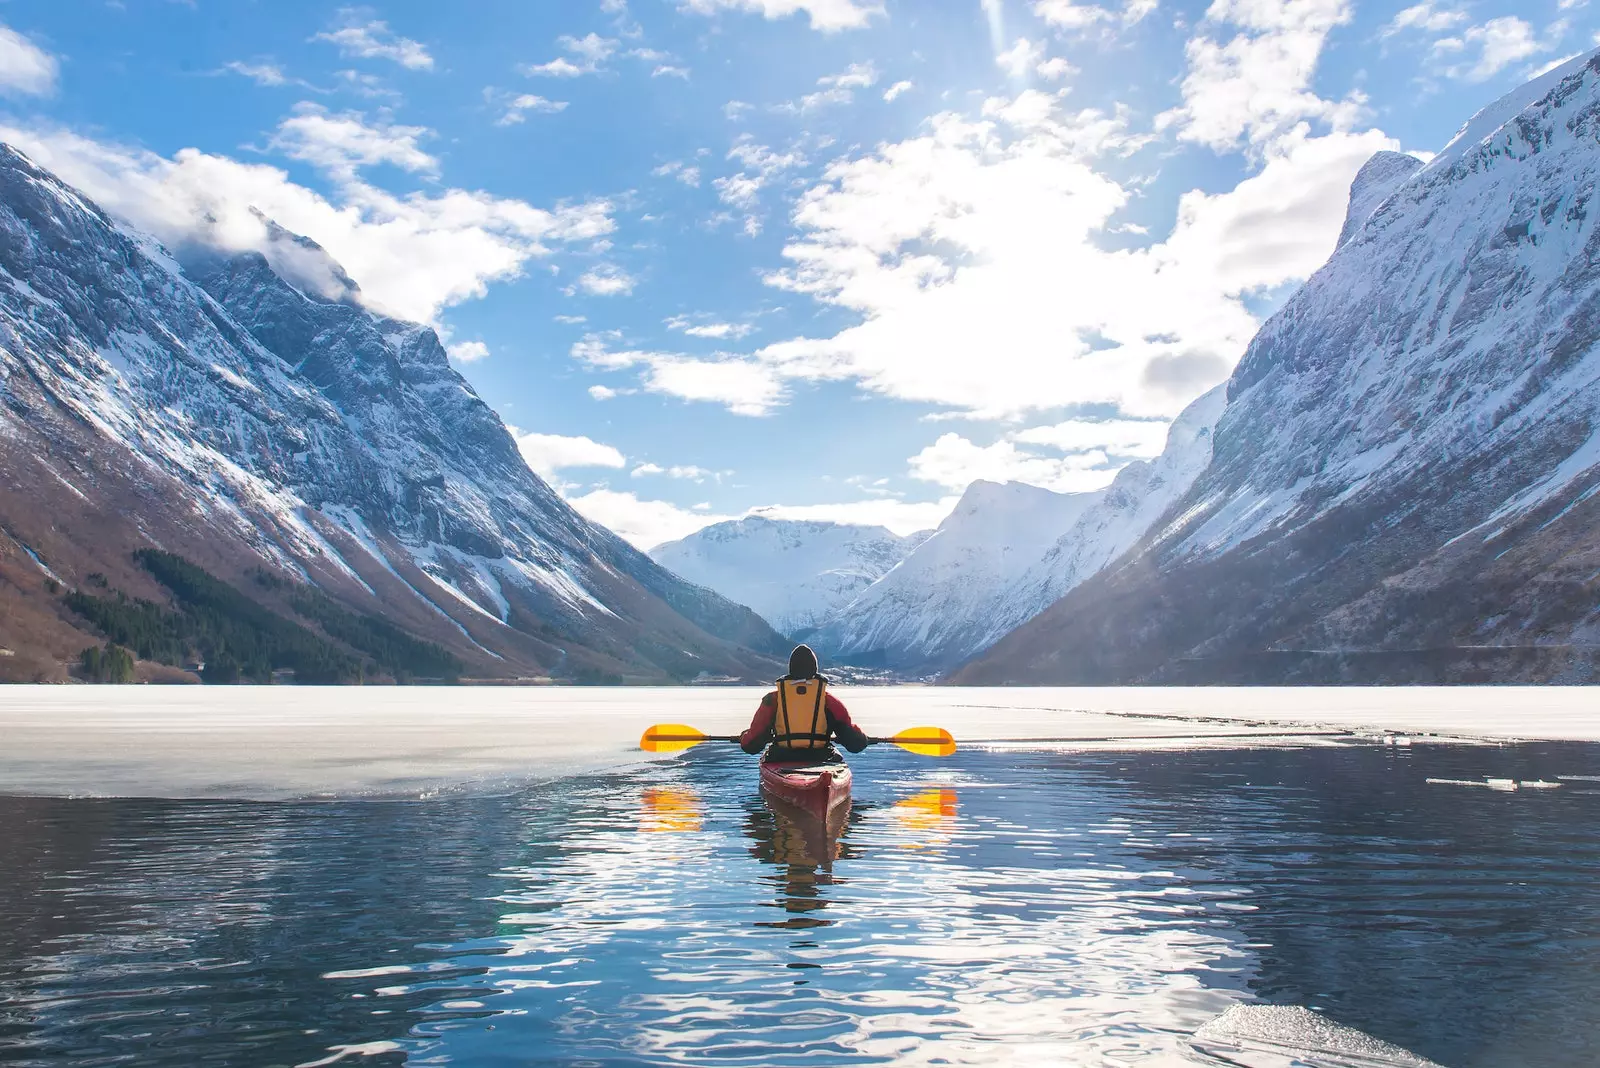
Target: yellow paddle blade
point(670, 738)
point(925, 741)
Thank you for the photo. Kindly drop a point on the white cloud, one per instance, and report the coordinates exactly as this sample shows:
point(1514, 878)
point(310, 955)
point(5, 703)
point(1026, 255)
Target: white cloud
point(1055, 69)
point(1020, 59)
point(607, 280)
point(374, 40)
point(685, 471)
point(836, 88)
point(1122, 437)
point(897, 89)
point(667, 70)
point(518, 107)
point(716, 330)
point(570, 319)
point(1070, 17)
point(587, 56)
point(262, 73)
point(955, 463)
point(761, 165)
point(970, 255)
point(1483, 51)
point(828, 16)
point(412, 255)
point(25, 68)
point(548, 454)
point(686, 173)
point(467, 351)
point(644, 523)
point(601, 393)
point(1427, 16)
point(1257, 86)
point(743, 386)
point(342, 143)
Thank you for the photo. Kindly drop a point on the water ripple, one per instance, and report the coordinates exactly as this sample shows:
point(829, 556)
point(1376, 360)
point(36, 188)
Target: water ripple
point(1091, 909)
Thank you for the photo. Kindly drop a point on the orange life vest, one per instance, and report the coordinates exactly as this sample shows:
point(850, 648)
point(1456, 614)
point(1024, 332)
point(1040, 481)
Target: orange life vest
point(801, 721)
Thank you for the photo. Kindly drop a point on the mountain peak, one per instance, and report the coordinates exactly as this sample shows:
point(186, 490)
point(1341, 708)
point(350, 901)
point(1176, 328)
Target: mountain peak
point(1374, 182)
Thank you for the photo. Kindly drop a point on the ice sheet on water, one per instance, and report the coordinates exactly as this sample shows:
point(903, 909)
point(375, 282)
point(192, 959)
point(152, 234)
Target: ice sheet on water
point(1292, 1036)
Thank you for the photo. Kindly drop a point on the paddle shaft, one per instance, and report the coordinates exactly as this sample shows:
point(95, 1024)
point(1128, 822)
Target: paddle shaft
point(694, 737)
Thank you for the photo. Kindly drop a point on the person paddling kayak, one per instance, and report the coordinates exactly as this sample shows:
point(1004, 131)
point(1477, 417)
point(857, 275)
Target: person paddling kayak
point(798, 721)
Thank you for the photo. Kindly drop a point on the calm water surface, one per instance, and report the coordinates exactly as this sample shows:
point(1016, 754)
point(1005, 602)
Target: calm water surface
point(1016, 907)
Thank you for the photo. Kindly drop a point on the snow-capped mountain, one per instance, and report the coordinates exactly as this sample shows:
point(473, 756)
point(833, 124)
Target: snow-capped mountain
point(1116, 520)
point(1405, 482)
point(795, 573)
point(246, 410)
point(933, 608)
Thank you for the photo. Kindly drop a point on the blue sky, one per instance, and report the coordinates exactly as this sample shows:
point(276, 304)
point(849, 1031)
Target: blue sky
point(823, 258)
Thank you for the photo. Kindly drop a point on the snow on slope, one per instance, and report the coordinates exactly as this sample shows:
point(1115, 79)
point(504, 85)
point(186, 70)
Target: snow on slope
point(795, 573)
point(1407, 463)
point(932, 608)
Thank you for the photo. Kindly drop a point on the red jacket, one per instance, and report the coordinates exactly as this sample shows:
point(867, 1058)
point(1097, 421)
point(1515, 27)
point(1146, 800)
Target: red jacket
point(840, 725)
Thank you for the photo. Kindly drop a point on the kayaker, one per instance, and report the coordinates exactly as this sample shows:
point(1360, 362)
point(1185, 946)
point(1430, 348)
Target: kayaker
point(800, 720)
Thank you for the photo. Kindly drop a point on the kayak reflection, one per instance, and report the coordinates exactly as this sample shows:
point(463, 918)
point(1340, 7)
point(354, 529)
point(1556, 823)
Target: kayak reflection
point(803, 847)
point(669, 810)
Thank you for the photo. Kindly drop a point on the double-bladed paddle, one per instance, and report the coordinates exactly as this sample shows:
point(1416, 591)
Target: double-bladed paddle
point(672, 737)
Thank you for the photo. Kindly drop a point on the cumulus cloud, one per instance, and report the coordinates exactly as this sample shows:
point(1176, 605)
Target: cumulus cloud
point(687, 173)
point(835, 88)
point(25, 68)
point(970, 256)
point(1070, 17)
point(711, 329)
point(1427, 16)
point(372, 39)
point(549, 454)
point(518, 107)
point(742, 385)
point(1256, 86)
point(1020, 59)
point(585, 55)
point(412, 255)
point(601, 393)
point(467, 351)
point(685, 471)
point(761, 165)
point(897, 89)
point(954, 462)
point(606, 280)
point(1481, 52)
point(828, 16)
point(341, 143)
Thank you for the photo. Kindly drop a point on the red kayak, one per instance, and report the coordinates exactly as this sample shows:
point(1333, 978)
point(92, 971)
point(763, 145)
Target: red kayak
point(816, 788)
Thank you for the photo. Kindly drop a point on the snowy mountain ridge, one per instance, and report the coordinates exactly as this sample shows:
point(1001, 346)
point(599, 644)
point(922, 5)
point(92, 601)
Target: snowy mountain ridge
point(215, 407)
point(1406, 478)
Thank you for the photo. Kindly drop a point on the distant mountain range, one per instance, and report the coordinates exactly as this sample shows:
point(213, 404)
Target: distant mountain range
point(245, 413)
point(1399, 483)
point(796, 573)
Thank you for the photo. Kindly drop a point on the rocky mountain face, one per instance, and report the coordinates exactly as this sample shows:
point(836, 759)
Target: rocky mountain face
point(795, 573)
point(245, 411)
point(1405, 482)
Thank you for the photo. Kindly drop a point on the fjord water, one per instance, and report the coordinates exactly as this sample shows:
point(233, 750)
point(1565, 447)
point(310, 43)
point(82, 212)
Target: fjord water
point(999, 907)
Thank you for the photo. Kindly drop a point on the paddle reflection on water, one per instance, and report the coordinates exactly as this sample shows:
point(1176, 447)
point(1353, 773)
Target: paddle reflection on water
point(670, 810)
